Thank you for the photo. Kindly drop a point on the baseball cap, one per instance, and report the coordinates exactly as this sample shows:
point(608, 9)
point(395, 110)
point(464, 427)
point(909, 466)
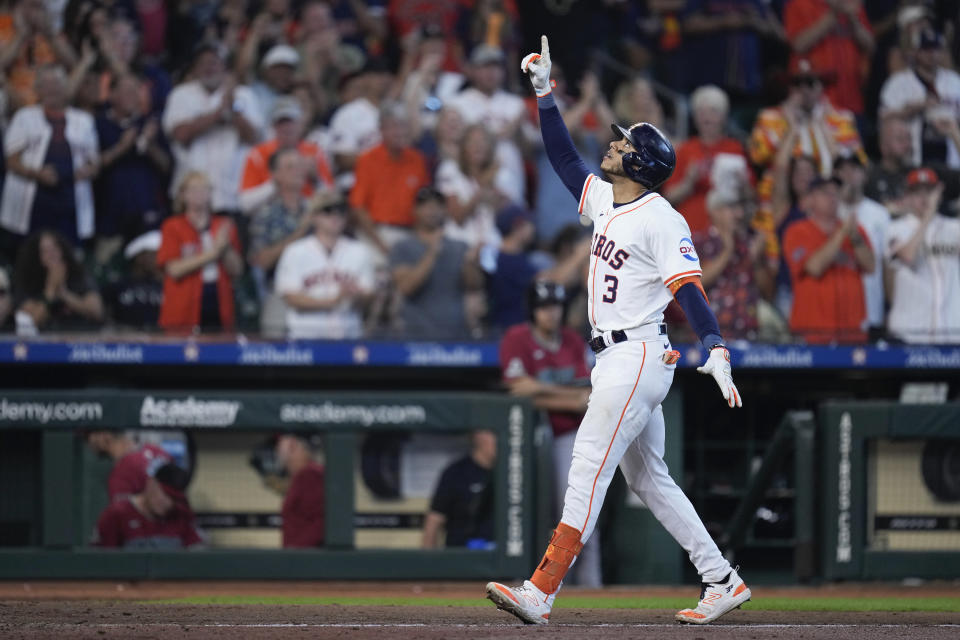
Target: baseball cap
point(149, 241)
point(328, 200)
point(171, 478)
point(286, 109)
point(485, 54)
point(212, 46)
point(375, 64)
point(428, 193)
point(930, 39)
point(281, 54)
point(544, 293)
point(432, 30)
point(848, 157)
point(821, 181)
point(922, 177)
point(509, 218)
point(803, 68)
point(910, 14)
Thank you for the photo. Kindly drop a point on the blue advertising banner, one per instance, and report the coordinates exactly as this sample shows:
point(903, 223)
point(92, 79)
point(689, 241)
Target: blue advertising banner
point(244, 352)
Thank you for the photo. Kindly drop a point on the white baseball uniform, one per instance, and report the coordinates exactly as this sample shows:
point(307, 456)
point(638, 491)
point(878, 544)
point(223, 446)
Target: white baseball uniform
point(307, 267)
point(639, 248)
point(926, 294)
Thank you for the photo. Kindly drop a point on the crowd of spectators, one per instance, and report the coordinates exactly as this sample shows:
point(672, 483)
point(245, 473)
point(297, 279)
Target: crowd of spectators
point(348, 168)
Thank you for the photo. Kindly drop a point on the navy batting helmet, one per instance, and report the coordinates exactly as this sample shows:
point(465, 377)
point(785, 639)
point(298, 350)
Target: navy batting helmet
point(544, 293)
point(653, 159)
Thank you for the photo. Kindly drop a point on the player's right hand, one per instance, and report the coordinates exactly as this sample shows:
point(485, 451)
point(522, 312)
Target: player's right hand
point(718, 366)
point(537, 66)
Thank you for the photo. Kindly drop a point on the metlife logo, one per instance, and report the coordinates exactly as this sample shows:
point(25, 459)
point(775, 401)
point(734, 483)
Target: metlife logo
point(188, 412)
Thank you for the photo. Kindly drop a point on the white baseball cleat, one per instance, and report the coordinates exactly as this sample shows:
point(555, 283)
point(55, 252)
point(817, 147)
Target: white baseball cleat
point(526, 602)
point(716, 600)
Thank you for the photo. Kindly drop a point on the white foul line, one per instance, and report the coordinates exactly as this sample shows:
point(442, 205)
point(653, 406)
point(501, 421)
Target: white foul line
point(420, 625)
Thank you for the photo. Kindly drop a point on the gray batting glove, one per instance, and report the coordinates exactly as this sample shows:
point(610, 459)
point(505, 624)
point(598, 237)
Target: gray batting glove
point(718, 366)
point(537, 66)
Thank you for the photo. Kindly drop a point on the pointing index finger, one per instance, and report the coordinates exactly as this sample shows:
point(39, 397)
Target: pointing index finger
point(544, 47)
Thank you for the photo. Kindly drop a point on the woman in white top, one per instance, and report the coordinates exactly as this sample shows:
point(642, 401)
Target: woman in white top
point(476, 188)
point(52, 155)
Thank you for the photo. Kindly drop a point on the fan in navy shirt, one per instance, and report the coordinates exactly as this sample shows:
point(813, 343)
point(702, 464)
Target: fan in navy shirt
point(131, 189)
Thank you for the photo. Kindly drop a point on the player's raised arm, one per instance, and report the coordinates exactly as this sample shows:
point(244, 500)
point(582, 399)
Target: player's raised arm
point(556, 139)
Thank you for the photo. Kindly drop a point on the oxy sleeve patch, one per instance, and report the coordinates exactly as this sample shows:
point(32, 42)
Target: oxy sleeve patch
point(687, 250)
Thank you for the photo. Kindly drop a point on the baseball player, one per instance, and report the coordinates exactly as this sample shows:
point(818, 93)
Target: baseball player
point(129, 473)
point(642, 256)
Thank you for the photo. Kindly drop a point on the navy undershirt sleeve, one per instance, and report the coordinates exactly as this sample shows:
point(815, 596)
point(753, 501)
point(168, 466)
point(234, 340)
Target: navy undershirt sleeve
point(699, 315)
point(560, 150)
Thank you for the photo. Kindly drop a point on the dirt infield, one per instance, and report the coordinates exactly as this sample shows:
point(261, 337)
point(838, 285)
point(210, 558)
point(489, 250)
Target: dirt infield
point(118, 610)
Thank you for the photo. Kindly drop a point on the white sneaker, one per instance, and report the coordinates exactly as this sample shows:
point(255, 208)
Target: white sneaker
point(526, 602)
point(716, 600)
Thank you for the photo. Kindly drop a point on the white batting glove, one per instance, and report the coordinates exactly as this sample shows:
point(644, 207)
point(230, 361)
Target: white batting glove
point(718, 366)
point(537, 66)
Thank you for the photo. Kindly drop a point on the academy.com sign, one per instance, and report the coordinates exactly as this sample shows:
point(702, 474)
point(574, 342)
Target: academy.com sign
point(188, 412)
point(367, 415)
point(50, 412)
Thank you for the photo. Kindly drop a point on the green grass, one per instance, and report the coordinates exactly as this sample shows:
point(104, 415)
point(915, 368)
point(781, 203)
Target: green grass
point(601, 602)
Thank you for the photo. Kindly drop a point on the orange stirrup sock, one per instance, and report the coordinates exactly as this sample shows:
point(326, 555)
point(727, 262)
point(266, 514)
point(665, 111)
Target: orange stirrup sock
point(564, 547)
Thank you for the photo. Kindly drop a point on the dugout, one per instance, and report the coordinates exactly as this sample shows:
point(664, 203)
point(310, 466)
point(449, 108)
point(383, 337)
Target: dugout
point(717, 456)
point(55, 487)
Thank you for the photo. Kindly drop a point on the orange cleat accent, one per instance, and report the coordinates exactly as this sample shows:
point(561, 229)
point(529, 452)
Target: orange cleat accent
point(687, 613)
point(505, 591)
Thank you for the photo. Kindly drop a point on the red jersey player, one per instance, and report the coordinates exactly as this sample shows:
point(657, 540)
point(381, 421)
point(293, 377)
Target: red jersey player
point(129, 473)
point(546, 362)
point(303, 506)
point(156, 518)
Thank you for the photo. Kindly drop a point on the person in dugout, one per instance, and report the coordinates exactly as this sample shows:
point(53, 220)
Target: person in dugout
point(462, 503)
point(130, 461)
point(303, 504)
point(159, 517)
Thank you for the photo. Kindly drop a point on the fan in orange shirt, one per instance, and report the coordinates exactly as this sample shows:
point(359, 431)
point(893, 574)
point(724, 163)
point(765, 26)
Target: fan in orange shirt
point(835, 35)
point(387, 180)
point(256, 187)
point(827, 256)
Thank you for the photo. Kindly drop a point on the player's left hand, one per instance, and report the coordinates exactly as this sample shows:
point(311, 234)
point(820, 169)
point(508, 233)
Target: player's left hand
point(537, 66)
point(718, 366)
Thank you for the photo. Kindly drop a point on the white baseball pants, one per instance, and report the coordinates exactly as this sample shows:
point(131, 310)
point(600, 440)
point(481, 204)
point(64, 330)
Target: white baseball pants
point(624, 426)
